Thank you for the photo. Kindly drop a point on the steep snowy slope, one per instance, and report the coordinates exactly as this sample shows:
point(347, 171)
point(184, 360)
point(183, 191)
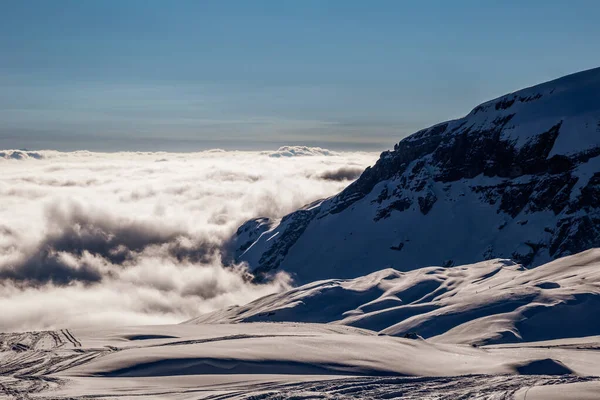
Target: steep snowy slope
point(495, 301)
point(518, 178)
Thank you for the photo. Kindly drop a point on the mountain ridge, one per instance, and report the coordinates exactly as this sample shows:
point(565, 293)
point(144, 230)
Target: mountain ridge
point(518, 177)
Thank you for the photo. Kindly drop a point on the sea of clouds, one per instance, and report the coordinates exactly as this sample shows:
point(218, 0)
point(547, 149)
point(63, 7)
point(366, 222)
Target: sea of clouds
point(98, 239)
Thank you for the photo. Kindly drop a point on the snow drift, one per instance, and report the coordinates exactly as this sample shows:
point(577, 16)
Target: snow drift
point(494, 301)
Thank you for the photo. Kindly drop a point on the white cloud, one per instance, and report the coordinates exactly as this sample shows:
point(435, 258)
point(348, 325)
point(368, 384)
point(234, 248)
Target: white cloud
point(97, 238)
point(299, 151)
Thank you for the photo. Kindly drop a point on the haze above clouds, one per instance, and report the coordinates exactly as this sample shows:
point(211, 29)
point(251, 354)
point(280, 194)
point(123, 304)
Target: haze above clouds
point(136, 238)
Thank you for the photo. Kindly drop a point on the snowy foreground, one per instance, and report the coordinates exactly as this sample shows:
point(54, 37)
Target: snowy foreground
point(480, 333)
point(286, 360)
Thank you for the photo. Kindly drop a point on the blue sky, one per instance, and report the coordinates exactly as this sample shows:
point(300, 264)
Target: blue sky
point(187, 75)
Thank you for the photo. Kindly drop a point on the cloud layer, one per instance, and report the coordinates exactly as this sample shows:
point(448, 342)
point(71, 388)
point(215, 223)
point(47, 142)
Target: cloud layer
point(136, 238)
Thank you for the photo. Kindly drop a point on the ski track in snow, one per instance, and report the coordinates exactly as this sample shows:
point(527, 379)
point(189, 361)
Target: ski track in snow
point(455, 388)
point(47, 365)
point(424, 388)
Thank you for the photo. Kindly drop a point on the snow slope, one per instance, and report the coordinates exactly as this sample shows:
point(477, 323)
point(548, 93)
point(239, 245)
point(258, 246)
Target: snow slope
point(494, 301)
point(277, 361)
point(492, 330)
point(518, 178)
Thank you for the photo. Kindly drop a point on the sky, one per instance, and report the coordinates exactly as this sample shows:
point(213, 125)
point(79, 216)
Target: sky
point(190, 75)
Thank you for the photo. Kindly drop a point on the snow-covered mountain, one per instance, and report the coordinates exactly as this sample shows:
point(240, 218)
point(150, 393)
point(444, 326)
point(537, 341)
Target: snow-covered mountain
point(518, 178)
point(494, 301)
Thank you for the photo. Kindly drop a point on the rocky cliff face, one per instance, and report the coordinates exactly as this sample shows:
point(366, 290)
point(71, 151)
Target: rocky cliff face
point(518, 177)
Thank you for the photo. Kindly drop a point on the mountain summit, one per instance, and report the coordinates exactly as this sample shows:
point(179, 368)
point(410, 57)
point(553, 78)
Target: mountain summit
point(518, 178)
